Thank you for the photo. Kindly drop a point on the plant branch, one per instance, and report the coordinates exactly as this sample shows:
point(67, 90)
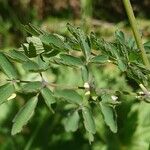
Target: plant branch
point(49, 84)
point(135, 30)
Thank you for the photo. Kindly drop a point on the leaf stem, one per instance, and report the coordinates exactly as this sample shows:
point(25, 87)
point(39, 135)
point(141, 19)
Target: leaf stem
point(135, 30)
point(55, 85)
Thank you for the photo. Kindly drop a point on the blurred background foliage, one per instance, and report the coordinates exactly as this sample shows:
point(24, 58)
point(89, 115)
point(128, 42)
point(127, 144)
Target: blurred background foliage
point(46, 130)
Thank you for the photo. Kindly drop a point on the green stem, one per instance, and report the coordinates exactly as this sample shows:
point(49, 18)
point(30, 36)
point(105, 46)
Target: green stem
point(135, 30)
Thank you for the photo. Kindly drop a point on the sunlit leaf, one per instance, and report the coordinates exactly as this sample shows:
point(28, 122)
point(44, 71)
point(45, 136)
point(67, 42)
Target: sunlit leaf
point(5, 92)
point(52, 53)
point(7, 67)
point(18, 56)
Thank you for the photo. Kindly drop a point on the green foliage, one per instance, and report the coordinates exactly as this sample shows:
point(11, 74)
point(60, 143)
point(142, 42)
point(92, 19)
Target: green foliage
point(69, 95)
point(48, 97)
point(32, 86)
point(24, 115)
point(75, 74)
point(7, 67)
point(71, 123)
point(88, 120)
point(109, 117)
point(71, 60)
point(6, 91)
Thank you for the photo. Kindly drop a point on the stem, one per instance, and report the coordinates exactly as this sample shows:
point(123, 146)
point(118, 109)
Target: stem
point(49, 84)
point(86, 6)
point(135, 30)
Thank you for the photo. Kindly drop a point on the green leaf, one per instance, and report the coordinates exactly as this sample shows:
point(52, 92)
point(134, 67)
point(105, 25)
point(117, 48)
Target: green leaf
point(109, 116)
point(5, 92)
point(7, 67)
point(135, 56)
point(88, 120)
point(107, 99)
point(18, 56)
point(121, 65)
point(34, 86)
point(36, 43)
point(73, 30)
point(73, 43)
point(33, 30)
point(31, 66)
point(25, 47)
point(147, 46)
point(42, 64)
point(71, 123)
point(82, 39)
point(91, 137)
point(70, 95)
point(85, 74)
point(24, 115)
point(95, 42)
point(85, 45)
point(100, 59)
point(131, 43)
point(36, 67)
point(52, 53)
point(51, 39)
point(48, 97)
point(120, 36)
point(142, 67)
point(71, 60)
point(30, 51)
